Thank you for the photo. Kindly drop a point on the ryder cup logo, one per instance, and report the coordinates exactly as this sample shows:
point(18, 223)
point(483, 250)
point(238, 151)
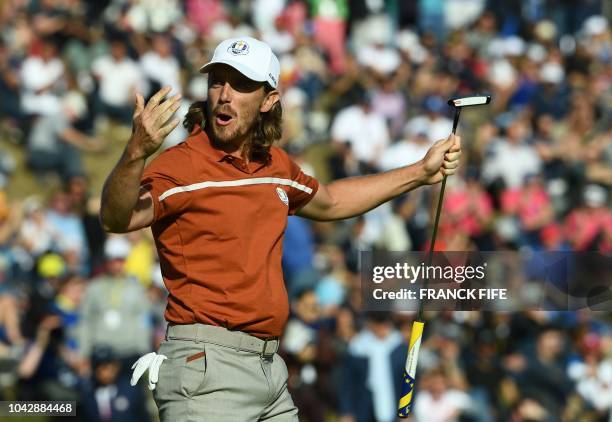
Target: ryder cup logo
point(238, 47)
point(283, 196)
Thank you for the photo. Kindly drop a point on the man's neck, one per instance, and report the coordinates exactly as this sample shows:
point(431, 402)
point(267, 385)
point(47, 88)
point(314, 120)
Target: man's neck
point(235, 148)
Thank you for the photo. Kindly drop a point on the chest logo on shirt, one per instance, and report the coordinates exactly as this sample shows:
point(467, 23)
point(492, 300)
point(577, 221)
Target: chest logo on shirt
point(283, 196)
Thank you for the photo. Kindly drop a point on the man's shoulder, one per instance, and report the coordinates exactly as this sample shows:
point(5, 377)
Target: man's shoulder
point(280, 157)
point(174, 158)
point(278, 152)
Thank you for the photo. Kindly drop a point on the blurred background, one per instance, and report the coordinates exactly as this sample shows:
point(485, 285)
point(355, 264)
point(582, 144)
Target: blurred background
point(364, 87)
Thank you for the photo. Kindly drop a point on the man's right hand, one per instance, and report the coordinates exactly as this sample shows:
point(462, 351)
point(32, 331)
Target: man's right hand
point(150, 123)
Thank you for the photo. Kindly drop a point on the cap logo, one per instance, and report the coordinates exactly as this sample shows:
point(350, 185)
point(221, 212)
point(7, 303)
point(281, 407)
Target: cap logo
point(283, 196)
point(238, 48)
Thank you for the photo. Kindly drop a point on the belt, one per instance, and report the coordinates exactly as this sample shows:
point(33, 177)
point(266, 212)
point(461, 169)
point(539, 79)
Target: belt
point(222, 337)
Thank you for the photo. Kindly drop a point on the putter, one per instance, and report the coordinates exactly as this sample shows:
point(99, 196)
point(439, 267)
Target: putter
point(458, 103)
point(409, 377)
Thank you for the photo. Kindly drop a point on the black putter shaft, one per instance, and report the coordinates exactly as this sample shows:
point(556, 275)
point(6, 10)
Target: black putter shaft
point(437, 219)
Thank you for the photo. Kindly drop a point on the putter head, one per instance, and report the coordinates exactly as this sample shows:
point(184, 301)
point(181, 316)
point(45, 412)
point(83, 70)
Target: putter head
point(470, 100)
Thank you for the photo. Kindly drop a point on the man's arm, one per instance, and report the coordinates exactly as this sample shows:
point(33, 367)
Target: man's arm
point(353, 196)
point(125, 206)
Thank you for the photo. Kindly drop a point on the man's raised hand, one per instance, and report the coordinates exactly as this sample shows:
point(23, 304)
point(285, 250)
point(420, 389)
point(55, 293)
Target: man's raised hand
point(150, 122)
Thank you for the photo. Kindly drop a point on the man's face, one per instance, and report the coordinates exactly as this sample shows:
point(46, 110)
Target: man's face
point(115, 266)
point(234, 103)
point(307, 308)
point(117, 50)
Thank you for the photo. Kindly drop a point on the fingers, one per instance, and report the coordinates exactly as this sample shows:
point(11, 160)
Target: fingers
point(167, 109)
point(456, 146)
point(450, 164)
point(452, 156)
point(448, 172)
point(170, 102)
point(139, 104)
point(452, 143)
point(155, 99)
point(169, 127)
point(156, 113)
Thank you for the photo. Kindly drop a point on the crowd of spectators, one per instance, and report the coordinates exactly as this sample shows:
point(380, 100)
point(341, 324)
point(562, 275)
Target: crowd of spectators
point(364, 86)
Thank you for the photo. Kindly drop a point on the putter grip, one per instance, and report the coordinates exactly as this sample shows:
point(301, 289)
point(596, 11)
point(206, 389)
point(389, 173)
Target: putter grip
point(409, 376)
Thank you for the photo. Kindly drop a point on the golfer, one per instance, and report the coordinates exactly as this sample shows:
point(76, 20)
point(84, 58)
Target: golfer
point(217, 205)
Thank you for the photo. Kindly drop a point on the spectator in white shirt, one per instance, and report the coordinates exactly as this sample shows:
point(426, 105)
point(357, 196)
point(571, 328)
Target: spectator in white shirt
point(411, 148)
point(437, 401)
point(160, 66)
point(119, 78)
point(360, 135)
point(42, 80)
point(438, 126)
point(511, 158)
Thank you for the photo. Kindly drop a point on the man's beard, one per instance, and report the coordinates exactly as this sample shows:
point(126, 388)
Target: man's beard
point(229, 134)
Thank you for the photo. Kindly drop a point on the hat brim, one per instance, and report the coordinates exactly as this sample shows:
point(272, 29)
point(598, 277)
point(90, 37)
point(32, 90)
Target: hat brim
point(236, 65)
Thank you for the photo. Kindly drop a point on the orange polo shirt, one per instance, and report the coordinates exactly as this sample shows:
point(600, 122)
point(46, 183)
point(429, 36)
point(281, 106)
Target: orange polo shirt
point(218, 228)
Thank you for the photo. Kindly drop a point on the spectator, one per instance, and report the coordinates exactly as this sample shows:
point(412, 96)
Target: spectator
point(36, 234)
point(160, 65)
point(433, 122)
point(42, 80)
point(108, 396)
point(411, 148)
point(10, 330)
point(589, 227)
point(298, 256)
point(54, 144)
point(389, 102)
point(468, 208)
point(87, 209)
point(511, 158)
point(114, 311)
point(360, 135)
point(531, 205)
point(119, 79)
point(593, 373)
point(301, 344)
point(437, 402)
point(372, 373)
point(68, 232)
point(329, 29)
point(9, 87)
point(545, 376)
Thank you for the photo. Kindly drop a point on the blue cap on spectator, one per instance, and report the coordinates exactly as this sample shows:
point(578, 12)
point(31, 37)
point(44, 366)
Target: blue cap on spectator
point(434, 104)
point(102, 354)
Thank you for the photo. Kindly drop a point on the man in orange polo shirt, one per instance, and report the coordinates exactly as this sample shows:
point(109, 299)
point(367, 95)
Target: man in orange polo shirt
point(217, 205)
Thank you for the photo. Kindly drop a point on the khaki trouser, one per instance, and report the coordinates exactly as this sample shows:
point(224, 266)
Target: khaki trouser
point(208, 378)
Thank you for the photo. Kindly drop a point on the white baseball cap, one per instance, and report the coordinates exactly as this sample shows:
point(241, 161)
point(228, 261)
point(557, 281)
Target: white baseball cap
point(117, 247)
point(251, 57)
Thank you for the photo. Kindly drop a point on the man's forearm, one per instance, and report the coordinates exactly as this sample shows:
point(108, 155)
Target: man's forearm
point(356, 195)
point(121, 192)
point(350, 197)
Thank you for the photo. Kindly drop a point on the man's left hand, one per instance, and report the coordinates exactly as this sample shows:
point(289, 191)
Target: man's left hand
point(441, 160)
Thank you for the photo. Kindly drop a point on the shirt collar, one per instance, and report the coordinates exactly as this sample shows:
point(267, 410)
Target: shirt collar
point(200, 141)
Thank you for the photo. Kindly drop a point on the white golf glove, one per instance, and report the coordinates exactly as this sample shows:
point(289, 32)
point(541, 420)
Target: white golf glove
point(151, 361)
